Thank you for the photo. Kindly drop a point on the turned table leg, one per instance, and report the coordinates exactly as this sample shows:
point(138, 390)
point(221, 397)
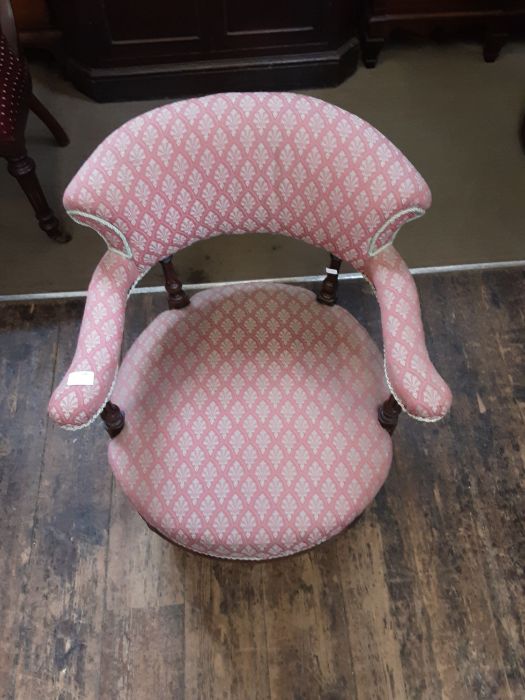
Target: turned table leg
point(494, 42)
point(370, 49)
point(22, 167)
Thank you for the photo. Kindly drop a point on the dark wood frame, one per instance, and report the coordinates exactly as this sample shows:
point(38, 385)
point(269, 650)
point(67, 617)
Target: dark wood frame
point(177, 297)
point(388, 414)
point(328, 293)
point(113, 418)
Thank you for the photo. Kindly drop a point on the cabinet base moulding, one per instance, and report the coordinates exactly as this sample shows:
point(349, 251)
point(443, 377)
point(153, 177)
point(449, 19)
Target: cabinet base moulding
point(276, 72)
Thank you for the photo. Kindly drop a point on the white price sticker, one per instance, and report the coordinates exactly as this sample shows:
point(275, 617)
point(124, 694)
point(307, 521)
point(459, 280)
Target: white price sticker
point(83, 377)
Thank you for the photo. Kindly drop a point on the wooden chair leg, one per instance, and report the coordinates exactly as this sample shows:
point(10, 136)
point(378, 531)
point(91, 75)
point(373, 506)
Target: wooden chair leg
point(494, 42)
point(388, 414)
point(177, 297)
point(113, 419)
point(49, 120)
point(370, 50)
point(23, 168)
point(328, 292)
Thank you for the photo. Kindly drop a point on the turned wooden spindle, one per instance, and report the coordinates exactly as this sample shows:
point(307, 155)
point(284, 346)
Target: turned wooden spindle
point(177, 297)
point(113, 419)
point(388, 414)
point(22, 167)
point(328, 292)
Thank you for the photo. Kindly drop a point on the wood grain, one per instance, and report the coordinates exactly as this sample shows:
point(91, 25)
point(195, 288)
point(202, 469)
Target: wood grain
point(422, 597)
point(24, 363)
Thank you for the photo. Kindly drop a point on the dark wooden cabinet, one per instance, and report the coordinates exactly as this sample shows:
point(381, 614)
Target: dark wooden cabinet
point(120, 50)
point(493, 19)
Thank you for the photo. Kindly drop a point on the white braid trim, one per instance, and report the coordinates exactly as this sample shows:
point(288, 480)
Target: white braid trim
point(372, 250)
point(403, 407)
point(77, 212)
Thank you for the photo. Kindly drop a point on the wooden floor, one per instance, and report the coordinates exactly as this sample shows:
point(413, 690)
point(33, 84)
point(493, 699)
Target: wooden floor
point(422, 598)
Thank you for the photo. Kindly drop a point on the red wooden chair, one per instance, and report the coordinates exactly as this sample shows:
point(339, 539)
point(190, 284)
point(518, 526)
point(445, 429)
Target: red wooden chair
point(16, 99)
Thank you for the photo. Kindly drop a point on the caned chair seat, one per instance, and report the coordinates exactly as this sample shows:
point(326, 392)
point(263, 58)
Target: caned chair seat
point(251, 422)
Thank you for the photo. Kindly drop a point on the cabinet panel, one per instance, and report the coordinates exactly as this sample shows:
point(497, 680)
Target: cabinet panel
point(260, 16)
point(266, 23)
point(286, 24)
point(118, 49)
point(153, 20)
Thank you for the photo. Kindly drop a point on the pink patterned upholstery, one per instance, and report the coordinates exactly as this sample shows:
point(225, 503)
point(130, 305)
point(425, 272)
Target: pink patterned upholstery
point(98, 347)
point(246, 162)
point(251, 415)
point(251, 422)
point(412, 377)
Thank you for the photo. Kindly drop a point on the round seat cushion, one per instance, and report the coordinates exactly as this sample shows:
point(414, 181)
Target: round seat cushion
point(251, 422)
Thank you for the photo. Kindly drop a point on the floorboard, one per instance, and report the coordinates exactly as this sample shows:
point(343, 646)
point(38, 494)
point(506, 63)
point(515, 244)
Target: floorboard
point(422, 597)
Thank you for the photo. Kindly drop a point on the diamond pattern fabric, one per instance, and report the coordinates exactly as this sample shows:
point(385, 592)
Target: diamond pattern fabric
point(251, 422)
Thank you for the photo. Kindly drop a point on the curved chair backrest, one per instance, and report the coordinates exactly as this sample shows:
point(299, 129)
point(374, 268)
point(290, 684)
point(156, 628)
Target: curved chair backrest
point(246, 162)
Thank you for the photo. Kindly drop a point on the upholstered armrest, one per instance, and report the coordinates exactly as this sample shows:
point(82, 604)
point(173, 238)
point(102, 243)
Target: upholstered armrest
point(83, 392)
point(412, 377)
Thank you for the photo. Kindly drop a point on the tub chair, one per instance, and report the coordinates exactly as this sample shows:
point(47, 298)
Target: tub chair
point(254, 421)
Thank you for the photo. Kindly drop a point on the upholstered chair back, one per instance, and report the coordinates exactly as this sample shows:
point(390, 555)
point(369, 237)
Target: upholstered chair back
point(246, 162)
